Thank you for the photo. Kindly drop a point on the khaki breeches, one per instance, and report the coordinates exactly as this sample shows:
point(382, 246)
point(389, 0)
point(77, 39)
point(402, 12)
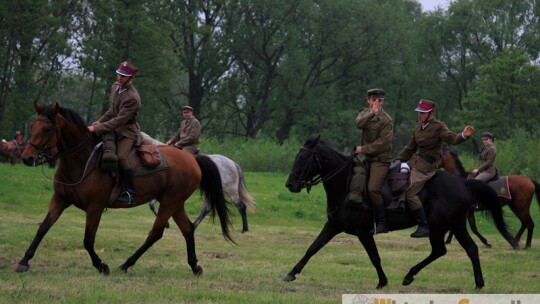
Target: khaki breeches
point(377, 174)
point(122, 151)
point(417, 181)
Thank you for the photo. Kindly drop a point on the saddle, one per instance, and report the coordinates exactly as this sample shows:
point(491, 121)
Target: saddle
point(393, 189)
point(146, 159)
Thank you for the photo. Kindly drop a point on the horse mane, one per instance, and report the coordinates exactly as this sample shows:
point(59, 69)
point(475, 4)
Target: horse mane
point(459, 164)
point(69, 114)
point(310, 143)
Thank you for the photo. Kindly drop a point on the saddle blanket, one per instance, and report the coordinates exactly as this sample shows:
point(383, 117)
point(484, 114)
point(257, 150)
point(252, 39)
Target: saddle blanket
point(500, 186)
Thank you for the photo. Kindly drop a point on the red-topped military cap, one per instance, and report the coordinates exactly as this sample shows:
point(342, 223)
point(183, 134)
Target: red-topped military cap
point(425, 106)
point(127, 69)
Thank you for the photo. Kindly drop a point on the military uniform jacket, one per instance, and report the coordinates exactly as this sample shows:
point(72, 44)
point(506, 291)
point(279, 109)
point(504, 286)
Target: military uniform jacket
point(487, 157)
point(121, 117)
point(187, 136)
point(423, 151)
point(377, 135)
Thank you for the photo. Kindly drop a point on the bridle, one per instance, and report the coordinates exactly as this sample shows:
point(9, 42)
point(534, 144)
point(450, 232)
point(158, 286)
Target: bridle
point(45, 153)
point(316, 179)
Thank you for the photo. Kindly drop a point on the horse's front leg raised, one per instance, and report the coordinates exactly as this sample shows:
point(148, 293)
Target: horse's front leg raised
point(93, 217)
point(326, 234)
point(56, 208)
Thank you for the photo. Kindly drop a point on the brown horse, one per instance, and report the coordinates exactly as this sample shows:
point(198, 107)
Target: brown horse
point(522, 190)
point(11, 151)
point(79, 182)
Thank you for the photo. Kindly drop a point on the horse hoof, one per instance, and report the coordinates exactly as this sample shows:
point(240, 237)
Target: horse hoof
point(408, 281)
point(198, 271)
point(22, 268)
point(104, 269)
point(487, 245)
point(289, 278)
point(381, 285)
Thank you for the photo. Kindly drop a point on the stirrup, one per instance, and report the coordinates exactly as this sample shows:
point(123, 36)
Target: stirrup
point(379, 229)
point(126, 198)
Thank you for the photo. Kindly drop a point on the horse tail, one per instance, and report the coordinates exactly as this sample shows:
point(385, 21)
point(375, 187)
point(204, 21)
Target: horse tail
point(537, 191)
point(245, 197)
point(487, 197)
point(212, 189)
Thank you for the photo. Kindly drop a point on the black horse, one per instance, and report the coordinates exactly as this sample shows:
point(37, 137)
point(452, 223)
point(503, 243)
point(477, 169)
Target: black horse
point(446, 197)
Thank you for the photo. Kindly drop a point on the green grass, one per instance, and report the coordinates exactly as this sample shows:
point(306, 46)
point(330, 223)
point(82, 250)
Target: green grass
point(281, 230)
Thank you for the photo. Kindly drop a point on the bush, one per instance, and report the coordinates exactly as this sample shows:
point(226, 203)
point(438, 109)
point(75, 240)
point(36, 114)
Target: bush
point(255, 155)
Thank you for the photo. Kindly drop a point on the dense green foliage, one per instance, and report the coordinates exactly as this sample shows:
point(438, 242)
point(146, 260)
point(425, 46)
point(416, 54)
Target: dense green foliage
point(278, 70)
point(281, 229)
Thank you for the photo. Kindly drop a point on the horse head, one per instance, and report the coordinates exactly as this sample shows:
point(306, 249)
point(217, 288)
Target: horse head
point(50, 134)
point(315, 162)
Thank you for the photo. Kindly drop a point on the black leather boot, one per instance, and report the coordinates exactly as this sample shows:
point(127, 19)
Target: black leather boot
point(423, 227)
point(380, 218)
point(128, 197)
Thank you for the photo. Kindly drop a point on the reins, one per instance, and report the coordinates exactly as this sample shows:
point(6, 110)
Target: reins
point(96, 147)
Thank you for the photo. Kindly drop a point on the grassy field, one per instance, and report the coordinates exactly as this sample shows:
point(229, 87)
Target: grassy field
point(281, 229)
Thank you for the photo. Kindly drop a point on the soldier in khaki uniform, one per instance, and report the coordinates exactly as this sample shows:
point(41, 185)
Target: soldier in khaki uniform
point(422, 154)
point(121, 118)
point(487, 169)
point(376, 146)
point(187, 136)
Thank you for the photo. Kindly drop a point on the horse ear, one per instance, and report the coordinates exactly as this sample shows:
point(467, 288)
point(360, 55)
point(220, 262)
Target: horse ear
point(317, 139)
point(37, 107)
point(56, 108)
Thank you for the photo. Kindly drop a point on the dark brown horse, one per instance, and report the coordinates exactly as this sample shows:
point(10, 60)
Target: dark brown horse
point(522, 190)
point(79, 182)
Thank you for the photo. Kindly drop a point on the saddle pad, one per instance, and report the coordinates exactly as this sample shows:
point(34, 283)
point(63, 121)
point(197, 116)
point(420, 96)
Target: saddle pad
point(500, 186)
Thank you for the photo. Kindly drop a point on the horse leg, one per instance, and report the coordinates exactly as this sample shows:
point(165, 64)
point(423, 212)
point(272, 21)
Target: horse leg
point(93, 217)
point(371, 248)
point(326, 234)
point(472, 223)
point(204, 211)
point(449, 238)
point(153, 236)
point(528, 224)
point(56, 209)
point(188, 231)
point(242, 209)
point(152, 206)
point(465, 240)
point(438, 249)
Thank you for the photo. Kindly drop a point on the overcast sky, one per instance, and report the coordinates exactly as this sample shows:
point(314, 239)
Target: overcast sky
point(429, 5)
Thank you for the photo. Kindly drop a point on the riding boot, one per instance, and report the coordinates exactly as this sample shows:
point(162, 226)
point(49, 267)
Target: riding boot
point(380, 216)
point(128, 197)
point(423, 227)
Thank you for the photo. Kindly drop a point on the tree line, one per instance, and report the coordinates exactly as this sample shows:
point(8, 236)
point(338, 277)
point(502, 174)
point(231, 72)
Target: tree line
point(274, 69)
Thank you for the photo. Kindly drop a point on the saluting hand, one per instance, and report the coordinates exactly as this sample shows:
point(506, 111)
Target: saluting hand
point(468, 131)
